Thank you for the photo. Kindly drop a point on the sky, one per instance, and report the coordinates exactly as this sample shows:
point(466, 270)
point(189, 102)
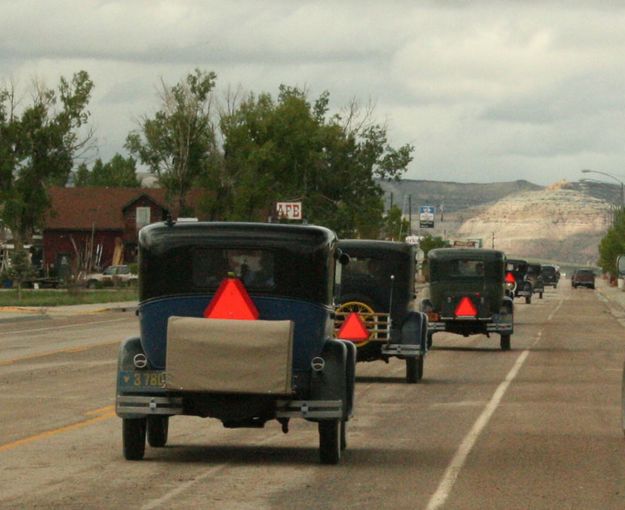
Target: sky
point(485, 91)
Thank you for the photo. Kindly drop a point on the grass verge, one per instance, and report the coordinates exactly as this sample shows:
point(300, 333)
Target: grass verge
point(65, 298)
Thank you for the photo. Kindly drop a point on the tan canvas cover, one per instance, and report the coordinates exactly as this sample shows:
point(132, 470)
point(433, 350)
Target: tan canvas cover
point(240, 356)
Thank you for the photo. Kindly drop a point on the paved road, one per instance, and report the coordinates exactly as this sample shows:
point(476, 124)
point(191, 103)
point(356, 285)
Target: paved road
point(535, 427)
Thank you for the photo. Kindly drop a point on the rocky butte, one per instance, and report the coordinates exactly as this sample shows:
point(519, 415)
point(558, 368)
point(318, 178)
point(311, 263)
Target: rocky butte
point(562, 222)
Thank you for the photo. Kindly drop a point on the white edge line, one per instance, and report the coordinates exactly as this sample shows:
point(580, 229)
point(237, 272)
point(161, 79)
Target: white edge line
point(452, 471)
point(457, 462)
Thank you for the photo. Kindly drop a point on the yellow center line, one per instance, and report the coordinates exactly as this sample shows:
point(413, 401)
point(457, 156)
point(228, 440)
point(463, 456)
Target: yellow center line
point(80, 348)
point(103, 414)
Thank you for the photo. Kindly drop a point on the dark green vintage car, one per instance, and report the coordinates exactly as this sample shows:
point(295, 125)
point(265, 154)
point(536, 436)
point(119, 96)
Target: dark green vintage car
point(467, 294)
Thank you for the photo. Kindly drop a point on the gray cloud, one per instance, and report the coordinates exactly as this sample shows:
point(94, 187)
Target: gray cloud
point(484, 90)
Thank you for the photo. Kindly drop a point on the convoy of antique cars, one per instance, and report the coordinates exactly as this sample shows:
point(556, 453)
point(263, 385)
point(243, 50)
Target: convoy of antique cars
point(252, 322)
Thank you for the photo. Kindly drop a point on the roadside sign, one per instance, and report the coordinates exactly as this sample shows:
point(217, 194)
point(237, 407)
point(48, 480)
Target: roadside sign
point(289, 210)
point(426, 216)
point(413, 239)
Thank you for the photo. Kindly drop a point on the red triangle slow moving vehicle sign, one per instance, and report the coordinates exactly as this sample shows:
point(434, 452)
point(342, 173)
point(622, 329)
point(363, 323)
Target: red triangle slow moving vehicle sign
point(231, 301)
point(510, 278)
point(353, 329)
point(466, 308)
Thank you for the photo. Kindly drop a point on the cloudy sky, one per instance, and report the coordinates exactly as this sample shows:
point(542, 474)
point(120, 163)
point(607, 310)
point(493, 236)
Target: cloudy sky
point(485, 91)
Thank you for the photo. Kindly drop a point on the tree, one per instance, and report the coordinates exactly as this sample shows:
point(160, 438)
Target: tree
point(178, 143)
point(395, 226)
point(290, 148)
point(37, 148)
point(118, 172)
point(613, 243)
point(428, 243)
point(20, 269)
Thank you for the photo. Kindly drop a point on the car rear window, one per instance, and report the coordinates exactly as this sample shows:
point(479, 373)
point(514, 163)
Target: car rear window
point(255, 268)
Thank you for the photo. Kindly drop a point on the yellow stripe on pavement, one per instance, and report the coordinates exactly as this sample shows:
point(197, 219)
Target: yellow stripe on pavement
point(102, 414)
point(79, 348)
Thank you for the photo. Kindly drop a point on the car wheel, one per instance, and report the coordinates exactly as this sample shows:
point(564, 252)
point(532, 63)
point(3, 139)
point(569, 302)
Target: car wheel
point(505, 342)
point(158, 427)
point(540, 295)
point(430, 335)
point(414, 369)
point(528, 299)
point(133, 431)
point(343, 434)
point(329, 441)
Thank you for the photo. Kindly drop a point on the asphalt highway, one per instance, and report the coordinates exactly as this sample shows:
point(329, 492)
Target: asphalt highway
point(535, 427)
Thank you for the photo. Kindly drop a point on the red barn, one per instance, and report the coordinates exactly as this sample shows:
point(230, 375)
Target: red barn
point(99, 219)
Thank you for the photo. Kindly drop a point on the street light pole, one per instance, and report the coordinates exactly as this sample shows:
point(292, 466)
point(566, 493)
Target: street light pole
point(587, 171)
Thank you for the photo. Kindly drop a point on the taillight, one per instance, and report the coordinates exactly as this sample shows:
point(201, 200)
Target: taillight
point(433, 316)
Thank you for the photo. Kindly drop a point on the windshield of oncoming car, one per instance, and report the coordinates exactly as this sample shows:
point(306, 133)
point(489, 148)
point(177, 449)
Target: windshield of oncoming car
point(255, 268)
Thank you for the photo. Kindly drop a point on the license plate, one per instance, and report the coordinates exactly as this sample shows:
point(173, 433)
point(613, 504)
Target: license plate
point(145, 380)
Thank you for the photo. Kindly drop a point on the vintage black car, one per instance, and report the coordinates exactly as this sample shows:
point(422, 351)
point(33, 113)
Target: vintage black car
point(236, 323)
point(551, 275)
point(535, 277)
point(379, 285)
point(466, 294)
point(517, 269)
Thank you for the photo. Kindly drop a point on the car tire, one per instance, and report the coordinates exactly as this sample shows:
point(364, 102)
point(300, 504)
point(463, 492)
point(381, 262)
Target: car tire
point(430, 335)
point(343, 434)
point(414, 369)
point(504, 342)
point(540, 295)
point(158, 427)
point(329, 441)
point(133, 432)
point(528, 299)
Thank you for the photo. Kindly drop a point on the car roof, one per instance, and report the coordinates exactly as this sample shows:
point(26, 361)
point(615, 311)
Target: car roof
point(465, 253)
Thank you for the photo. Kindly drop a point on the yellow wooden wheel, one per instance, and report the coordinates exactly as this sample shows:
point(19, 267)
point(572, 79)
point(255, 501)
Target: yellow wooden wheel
point(363, 309)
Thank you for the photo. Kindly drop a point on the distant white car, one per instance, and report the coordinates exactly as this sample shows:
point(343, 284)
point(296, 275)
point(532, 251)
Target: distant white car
point(112, 275)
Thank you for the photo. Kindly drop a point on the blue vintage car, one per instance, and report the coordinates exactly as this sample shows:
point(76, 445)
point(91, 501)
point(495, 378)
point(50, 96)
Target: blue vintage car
point(236, 323)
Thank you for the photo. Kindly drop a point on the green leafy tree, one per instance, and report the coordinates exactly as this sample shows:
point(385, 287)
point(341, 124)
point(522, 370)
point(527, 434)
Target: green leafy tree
point(38, 144)
point(118, 172)
point(20, 269)
point(613, 244)
point(290, 148)
point(428, 243)
point(178, 143)
point(395, 226)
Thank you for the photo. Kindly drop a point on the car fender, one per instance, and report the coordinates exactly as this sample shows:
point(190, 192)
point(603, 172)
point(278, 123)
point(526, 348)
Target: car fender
point(414, 329)
point(331, 383)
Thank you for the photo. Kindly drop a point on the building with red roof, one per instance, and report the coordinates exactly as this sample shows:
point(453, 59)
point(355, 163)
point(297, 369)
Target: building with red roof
point(97, 219)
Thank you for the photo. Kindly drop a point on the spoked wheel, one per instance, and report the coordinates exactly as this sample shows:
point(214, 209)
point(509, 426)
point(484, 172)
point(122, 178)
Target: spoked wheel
point(158, 427)
point(343, 434)
point(414, 369)
point(134, 438)
point(505, 342)
point(329, 441)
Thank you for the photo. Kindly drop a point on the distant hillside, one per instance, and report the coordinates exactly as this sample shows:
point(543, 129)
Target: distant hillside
point(564, 221)
point(453, 195)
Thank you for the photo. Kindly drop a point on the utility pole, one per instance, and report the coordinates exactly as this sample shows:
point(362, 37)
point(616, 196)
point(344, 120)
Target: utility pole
point(410, 215)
